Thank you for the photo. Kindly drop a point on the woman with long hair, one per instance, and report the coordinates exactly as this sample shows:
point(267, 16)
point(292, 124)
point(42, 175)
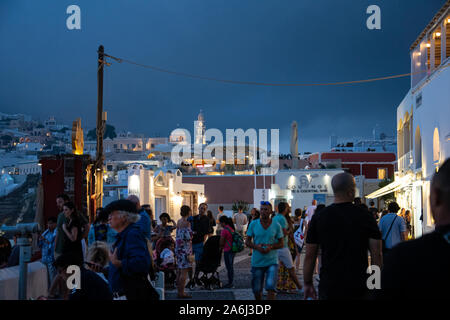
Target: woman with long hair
point(73, 233)
point(183, 250)
point(226, 244)
point(212, 223)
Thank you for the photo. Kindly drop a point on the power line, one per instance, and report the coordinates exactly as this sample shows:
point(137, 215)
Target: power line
point(194, 76)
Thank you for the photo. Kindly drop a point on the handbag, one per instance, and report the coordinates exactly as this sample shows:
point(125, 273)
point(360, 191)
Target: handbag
point(299, 236)
point(387, 235)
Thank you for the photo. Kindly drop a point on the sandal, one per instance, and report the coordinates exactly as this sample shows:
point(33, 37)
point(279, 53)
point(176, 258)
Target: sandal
point(186, 296)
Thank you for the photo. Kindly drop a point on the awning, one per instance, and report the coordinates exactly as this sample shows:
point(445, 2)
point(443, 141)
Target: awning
point(391, 187)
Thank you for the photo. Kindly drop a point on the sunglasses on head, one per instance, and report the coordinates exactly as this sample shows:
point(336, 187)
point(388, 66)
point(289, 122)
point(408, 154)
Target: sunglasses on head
point(265, 203)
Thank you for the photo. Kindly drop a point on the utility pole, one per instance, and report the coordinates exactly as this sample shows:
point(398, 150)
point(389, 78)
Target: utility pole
point(101, 122)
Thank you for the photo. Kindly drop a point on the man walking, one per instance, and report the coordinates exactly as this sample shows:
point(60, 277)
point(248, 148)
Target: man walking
point(240, 221)
point(284, 254)
point(264, 236)
point(311, 210)
point(373, 210)
point(428, 256)
point(200, 228)
point(345, 233)
point(392, 227)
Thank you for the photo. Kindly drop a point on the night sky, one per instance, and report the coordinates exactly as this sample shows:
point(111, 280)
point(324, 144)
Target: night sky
point(46, 69)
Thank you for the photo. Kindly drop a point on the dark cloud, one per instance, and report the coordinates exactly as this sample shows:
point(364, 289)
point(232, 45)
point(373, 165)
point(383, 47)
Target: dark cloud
point(49, 70)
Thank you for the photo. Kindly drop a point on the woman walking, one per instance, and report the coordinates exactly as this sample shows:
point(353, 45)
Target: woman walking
point(285, 282)
point(183, 250)
point(226, 244)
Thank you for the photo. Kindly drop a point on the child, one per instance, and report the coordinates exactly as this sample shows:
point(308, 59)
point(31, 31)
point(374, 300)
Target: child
point(167, 256)
point(47, 245)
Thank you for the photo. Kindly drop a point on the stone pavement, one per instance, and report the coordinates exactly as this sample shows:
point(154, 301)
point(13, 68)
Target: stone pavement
point(242, 283)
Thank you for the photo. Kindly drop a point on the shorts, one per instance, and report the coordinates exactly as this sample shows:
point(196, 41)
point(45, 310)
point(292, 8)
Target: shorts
point(285, 257)
point(197, 248)
point(258, 274)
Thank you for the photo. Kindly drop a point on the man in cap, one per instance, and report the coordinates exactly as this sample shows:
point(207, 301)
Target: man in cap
point(130, 260)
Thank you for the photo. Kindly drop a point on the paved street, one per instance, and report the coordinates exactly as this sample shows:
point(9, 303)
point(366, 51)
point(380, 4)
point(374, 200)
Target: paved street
point(242, 284)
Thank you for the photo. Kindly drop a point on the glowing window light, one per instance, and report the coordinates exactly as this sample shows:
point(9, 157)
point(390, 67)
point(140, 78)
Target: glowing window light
point(201, 198)
point(134, 185)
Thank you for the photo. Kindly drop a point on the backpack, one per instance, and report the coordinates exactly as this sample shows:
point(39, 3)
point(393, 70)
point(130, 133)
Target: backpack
point(237, 243)
point(299, 236)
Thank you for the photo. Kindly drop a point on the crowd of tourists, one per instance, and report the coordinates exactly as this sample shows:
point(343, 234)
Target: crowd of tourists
point(120, 252)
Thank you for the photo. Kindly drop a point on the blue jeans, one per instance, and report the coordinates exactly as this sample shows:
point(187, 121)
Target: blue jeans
point(51, 272)
point(228, 257)
point(270, 273)
point(197, 248)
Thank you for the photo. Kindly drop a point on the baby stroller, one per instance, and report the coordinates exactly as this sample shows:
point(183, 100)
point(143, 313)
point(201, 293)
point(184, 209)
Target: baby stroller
point(209, 263)
point(169, 269)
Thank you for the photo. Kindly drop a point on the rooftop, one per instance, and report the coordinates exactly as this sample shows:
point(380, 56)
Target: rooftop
point(431, 24)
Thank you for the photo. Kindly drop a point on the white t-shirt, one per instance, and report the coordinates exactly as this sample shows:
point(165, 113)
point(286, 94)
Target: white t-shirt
point(240, 221)
point(310, 212)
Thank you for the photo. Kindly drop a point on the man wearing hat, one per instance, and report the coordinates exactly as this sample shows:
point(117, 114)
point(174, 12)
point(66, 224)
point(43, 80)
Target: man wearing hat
point(130, 259)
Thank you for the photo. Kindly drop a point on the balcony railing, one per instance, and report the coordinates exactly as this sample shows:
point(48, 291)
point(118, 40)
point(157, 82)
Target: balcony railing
point(406, 162)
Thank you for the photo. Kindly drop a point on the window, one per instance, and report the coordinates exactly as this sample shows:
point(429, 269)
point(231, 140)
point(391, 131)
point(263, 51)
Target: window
point(436, 146)
point(419, 100)
point(447, 32)
point(418, 149)
point(437, 47)
point(382, 173)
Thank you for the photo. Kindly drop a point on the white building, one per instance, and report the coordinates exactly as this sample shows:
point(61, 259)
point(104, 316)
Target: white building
point(423, 122)
point(300, 187)
point(164, 190)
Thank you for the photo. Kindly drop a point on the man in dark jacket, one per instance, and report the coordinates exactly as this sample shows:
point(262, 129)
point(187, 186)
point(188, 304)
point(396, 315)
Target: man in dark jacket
point(130, 259)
